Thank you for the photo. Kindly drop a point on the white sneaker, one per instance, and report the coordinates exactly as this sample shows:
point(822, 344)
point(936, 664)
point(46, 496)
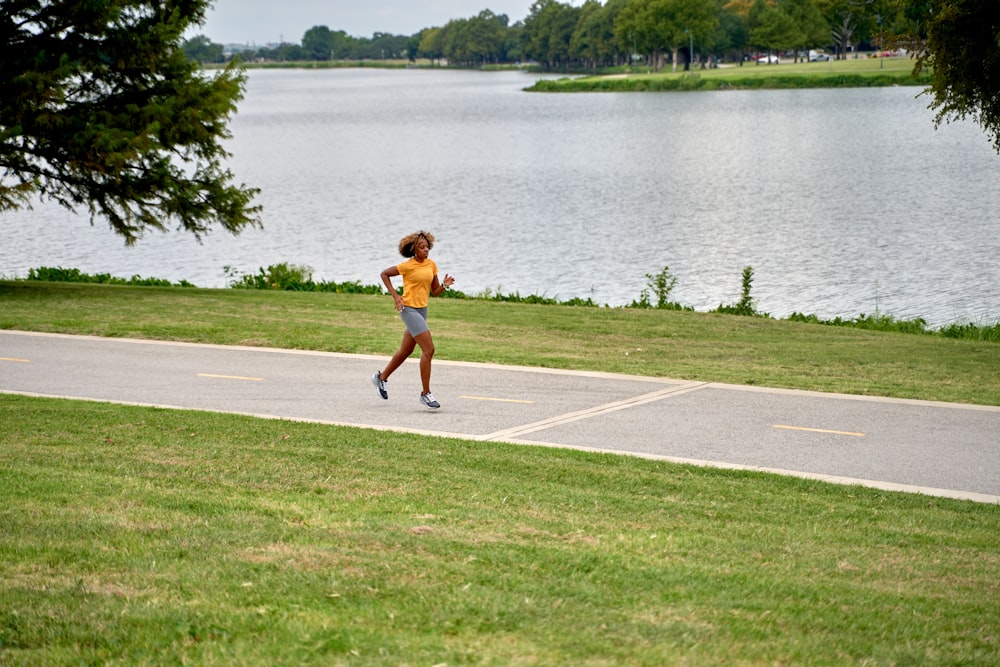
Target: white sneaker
point(380, 384)
point(428, 400)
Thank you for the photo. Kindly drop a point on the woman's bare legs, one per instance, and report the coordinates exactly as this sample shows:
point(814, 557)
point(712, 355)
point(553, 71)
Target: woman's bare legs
point(426, 344)
point(406, 348)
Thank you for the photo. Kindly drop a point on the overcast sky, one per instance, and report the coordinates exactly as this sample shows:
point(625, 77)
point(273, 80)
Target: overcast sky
point(265, 21)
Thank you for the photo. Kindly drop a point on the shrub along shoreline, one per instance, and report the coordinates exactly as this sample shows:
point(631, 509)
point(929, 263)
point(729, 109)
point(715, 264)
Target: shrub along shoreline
point(656, 295)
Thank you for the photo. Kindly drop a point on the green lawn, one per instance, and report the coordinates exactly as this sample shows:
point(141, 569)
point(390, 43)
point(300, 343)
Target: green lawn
point(786, 74)
point(133, 536)
point(136, 536)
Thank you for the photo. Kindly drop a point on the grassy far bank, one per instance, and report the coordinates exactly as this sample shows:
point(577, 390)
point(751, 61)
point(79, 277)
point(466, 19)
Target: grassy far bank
point(665, 343)
point(861, 72)
point(853, 72)
point(136, 536)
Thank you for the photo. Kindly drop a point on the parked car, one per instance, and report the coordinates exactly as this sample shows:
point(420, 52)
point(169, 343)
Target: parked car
point(768, 59)
point(818, 55)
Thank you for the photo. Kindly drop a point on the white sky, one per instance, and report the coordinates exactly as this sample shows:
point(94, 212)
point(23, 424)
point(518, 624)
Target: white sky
point(265, 21)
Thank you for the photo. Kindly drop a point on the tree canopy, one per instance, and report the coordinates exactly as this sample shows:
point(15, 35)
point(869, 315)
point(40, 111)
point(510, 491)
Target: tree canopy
point(962, 39)
point(103, 111)
point(594, 35)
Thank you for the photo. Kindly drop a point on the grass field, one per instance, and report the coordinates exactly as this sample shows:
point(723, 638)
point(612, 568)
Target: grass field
point(137, 536)
point(133, 536)
point(853, 72)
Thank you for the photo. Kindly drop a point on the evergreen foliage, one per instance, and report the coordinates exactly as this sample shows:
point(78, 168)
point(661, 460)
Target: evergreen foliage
point(61, 275)
point(102, 110)
point(962, 49)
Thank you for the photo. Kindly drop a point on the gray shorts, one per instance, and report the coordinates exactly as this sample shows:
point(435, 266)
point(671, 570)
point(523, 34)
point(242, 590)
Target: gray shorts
point(415, 320)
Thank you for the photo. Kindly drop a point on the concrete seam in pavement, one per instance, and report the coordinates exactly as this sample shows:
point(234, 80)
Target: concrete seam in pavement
point(593, 412)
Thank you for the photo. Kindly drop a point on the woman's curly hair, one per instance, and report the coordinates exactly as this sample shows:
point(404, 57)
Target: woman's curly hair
point(408, 244)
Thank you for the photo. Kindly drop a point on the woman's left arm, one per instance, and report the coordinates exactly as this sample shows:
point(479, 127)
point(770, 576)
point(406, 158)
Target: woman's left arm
point(438, 287)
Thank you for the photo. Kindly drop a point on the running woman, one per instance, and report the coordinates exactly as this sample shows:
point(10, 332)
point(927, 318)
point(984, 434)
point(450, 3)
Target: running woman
point(420, 280)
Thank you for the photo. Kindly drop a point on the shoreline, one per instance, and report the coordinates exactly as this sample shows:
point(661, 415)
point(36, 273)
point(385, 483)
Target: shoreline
point(859, 72)
point(282, 277)
point(731, 78)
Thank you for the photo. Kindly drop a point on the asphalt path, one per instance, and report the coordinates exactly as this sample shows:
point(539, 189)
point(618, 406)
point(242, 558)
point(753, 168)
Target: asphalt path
point(938, 449)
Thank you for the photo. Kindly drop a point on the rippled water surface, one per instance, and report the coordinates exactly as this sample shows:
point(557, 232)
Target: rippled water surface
point(843, 201)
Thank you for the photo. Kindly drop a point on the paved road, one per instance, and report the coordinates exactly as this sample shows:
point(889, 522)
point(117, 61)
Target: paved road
point(933, 448)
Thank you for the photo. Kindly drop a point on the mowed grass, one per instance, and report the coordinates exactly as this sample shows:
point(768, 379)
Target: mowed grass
point(862, 65)
point(134, 536)
point(852, 72)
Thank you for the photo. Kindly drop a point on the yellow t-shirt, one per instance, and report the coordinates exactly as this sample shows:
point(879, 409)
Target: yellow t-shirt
point(417, 279)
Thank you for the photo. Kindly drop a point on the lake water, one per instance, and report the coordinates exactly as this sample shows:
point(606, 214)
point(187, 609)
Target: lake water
point(843, 201)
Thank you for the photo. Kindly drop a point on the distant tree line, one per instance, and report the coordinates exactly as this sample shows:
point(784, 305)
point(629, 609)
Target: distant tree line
point(597, 35)
point(319, 44)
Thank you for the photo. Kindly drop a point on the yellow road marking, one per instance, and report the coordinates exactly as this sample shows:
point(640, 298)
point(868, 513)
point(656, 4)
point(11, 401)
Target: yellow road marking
point(229, 377)
point(819, 430)
point(495, 400)
point(17, 361)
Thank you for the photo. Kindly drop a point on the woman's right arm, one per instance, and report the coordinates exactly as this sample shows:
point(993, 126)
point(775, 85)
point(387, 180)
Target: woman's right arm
point(387, 277)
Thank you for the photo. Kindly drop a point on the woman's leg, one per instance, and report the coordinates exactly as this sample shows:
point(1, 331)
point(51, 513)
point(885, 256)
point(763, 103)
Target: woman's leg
point(426, 354)
point(406, 348)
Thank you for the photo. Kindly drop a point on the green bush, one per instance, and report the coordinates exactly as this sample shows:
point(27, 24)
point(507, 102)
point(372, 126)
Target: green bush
point(876, 322)
point(282, 276)
point(747, 305)
point(661, 284)
point(515, 297)
point(969, 331)
point(292, 277)
point(61, 275)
